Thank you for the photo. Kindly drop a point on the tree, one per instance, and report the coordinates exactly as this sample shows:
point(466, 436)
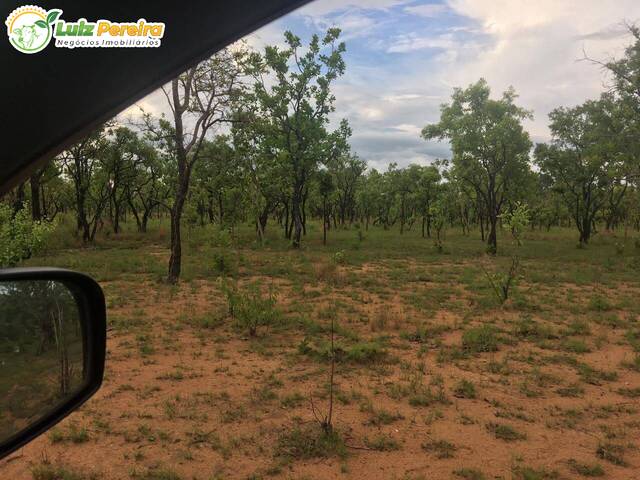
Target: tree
point(297, 103)
point(147, 187)
point(428, 181)
point(84, 164)
point(20, 236)
point(199, 99)
point(346, 171)
point(261, 163)
point(489, 145)
point(325, 187)
point(625, 73)
point(583, 159)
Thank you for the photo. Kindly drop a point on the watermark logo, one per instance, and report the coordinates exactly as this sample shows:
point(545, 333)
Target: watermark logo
point(30, 29)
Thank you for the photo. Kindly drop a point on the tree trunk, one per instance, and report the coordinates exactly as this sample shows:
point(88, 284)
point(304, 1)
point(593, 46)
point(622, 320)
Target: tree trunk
point(492, 239)
point(34, 182)
point(175, 261)
point(324, 220)
point(296, 213)
point(18, 202)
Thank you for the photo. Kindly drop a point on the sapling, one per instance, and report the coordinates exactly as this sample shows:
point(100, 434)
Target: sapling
point(326, 421)
point(516, 221)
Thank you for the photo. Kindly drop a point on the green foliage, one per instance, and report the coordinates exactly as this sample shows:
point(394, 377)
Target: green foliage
point(20, 237)
point(517, 220)
point(441, 448)
point(490, 147)
point(302, 443)
point(382, 443)
point(48, 471)
point(611, 452)
point(224, 263)
point(340, 257)
point(469, 474)
point(362, 353)
point(465, 389)
point(505, 432)
point(528, 473)
point(481, 339)
point(250, 308)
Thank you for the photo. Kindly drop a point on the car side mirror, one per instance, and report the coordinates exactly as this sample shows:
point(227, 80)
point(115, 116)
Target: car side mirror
point(52, 349)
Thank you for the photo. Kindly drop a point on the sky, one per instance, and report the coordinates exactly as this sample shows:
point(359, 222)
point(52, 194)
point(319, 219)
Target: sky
point(405, 57)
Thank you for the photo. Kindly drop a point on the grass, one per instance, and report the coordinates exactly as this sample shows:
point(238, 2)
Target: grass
point(417, 339)
point(441, 448)
point(481, 339)
point(382, 443)
point(469, 474)
point(505, 432)
point(612, 453)
point(48, 471)
point(307, 442)
point(465, 389)
point(529, 473)
point(586, 470)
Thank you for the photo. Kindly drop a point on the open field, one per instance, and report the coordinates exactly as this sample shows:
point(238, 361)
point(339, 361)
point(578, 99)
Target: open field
point(434, 379)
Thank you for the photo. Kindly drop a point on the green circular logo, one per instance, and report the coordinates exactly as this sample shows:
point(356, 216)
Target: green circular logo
point(30, 28)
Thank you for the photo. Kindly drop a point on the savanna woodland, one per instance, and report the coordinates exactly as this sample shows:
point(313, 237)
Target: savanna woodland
point(278, 308)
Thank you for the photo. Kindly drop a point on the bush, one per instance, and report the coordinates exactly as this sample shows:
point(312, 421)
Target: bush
point(20, 237)
point(586, 470)
point(224, 263)
point(222, 239)
point(465, 389)
point(441, 448)
point(250, 308)
point(340, 258)
point(480, 339)
point(362, 353)
point(505, 432)
point(310, 442)
point(611, 453)
point(599, 304)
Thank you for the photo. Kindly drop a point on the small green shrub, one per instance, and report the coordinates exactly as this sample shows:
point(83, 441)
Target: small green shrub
point(224, 263)
point(250, 308)
point(20, 237)
point(340, 257)
point(528, 473)
point(465, 389)
point(382, 443)
point(480, 339)
point(310, 441)
point(611, 453)
point(599, 303)
point(586, 470)
point(441, 448)
point(362, 353)
point(505, 432)
point(469, 474)
point(528, 329)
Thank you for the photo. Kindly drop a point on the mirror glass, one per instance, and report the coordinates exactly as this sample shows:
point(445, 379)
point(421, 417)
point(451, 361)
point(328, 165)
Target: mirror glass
point(41, 351)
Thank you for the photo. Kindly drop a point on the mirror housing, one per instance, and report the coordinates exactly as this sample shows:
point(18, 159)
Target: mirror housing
point(91, 316)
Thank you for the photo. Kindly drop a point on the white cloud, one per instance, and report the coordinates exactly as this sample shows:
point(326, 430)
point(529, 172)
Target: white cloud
point(408, 128)
point(535, 47)
point(324, 7)
point(429, 10)
point(401, 67)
